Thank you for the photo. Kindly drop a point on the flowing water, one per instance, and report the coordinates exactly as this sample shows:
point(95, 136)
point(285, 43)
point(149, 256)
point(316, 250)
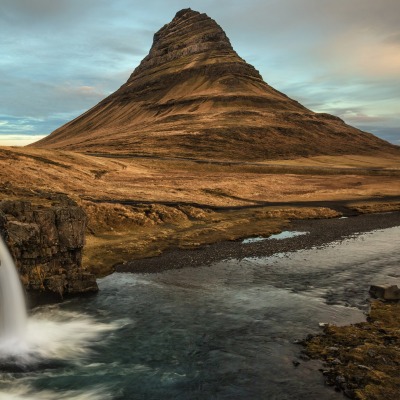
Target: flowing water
point(13, 316)
point(225, 331)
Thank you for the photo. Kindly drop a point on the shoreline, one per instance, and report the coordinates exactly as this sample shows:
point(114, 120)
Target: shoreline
point(358, 360)
point(321, 232)
point(361, 360)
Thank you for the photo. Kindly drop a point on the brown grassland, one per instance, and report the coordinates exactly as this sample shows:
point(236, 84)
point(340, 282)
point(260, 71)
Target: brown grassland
point(141, 206)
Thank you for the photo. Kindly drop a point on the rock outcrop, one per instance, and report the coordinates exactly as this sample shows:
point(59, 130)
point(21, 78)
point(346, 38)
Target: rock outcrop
point(193, 96)
point(385, 292)
point(46, 242)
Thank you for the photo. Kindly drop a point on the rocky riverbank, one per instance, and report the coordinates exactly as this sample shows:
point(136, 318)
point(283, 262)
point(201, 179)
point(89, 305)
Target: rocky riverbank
point(119, 232)
point(319, 232)
point(362, 360)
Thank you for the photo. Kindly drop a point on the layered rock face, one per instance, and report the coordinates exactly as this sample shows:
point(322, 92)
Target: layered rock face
point(46, 243)
point(193, 96)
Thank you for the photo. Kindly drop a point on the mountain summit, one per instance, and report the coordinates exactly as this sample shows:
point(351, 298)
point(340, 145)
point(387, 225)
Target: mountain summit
point(193, 96)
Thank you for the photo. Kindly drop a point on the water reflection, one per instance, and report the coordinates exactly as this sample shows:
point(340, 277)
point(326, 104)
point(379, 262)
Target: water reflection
point(278, 236)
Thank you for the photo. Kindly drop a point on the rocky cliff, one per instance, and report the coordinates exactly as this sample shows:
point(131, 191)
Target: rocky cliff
point(193, 96)
point(46, 242)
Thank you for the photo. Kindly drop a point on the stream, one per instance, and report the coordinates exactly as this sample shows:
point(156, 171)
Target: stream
point(223, 331)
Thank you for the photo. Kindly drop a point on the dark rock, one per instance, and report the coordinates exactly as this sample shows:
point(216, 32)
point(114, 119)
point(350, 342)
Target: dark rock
point(46, 243)
point(349, 393)
point(304, 357)
point(324, 371)
point(340, 380)
point(385, 292)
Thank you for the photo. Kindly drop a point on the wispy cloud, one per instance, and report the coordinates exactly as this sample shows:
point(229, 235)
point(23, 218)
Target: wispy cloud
point(11, 125)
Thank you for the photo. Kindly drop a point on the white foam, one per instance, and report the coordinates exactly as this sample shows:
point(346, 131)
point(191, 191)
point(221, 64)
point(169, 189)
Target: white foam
point(55, 335)
point(49, 335)
point(22, 392)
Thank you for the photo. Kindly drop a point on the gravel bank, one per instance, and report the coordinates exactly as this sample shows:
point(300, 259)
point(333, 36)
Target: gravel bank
point(321, 231)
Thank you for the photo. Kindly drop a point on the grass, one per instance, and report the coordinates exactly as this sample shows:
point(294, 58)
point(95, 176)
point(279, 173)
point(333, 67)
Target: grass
point(139, 206)
point(123, 233)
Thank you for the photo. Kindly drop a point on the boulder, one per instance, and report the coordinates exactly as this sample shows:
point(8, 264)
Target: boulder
point(385, 292)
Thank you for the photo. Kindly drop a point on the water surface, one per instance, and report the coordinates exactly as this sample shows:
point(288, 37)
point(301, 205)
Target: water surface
point(278, 236)
point(225, 331)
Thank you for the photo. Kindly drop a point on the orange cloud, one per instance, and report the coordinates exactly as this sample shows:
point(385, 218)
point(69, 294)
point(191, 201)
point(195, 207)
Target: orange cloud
point(362, 52)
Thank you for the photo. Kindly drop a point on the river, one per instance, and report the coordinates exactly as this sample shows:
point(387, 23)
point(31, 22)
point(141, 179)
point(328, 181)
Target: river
point(223, 331)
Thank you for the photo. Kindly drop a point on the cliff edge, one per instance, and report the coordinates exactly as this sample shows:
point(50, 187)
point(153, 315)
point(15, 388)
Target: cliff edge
point(46, 242)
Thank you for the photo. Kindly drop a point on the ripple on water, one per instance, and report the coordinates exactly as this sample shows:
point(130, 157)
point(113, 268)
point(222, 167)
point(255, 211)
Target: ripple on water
point(22, 392)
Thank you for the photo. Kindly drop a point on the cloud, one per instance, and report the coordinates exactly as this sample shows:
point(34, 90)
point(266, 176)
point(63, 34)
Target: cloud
point(360, 53)
point(46, 99)
point(393, 38)
point(360, 118)
point(9, 125)
point(39, 12)
point(75, 91)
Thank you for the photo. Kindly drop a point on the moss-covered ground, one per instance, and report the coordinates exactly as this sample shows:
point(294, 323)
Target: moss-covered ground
point(363, 359)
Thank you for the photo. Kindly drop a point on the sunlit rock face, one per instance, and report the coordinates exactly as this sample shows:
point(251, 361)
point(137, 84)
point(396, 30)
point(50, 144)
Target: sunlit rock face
point(46, 242)
point(193, 96)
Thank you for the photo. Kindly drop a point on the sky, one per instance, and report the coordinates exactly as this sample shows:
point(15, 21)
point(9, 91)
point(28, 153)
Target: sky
point(61, 57)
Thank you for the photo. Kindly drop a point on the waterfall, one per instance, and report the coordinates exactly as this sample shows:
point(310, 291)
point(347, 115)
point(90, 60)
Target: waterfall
point(13, 314)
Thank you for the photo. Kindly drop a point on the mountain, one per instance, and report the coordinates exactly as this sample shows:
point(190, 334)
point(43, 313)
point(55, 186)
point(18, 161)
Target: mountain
point(193, 96)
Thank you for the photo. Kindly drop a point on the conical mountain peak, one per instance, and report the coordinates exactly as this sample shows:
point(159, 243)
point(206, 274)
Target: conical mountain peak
point(193, 96)
point(189, 37)
point(188, 27)
point(186, 13)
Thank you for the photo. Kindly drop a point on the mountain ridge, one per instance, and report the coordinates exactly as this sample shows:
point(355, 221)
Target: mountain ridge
point(194, 96)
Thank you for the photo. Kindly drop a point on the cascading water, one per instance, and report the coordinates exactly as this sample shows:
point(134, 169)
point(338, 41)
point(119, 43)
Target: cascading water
point(48, 339)
point(13, 314)
point(44, 337)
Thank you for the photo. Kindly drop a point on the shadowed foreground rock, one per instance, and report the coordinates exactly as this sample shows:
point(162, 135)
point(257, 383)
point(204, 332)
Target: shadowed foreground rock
point(46, 242)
